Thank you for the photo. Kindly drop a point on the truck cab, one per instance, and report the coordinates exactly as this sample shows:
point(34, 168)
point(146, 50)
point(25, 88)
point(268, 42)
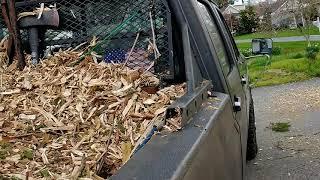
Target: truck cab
point(218, 135)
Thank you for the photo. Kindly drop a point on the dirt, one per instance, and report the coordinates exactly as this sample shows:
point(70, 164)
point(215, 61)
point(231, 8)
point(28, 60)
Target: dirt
point(294, 154)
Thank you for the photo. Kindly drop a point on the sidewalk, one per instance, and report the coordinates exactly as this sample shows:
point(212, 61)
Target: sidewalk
point(286, 39)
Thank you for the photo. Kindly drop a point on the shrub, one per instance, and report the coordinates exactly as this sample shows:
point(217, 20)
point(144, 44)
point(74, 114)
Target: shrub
point(298, 56)
point(314, 69)
point(248, 20)
point(280, 127)
point(276, 51)
point(312, 51)
point(246, 52)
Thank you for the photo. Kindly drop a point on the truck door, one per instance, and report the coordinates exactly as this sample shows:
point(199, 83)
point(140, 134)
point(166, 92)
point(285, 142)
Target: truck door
point(237, 82)
point(226, 53)
point(227, 61)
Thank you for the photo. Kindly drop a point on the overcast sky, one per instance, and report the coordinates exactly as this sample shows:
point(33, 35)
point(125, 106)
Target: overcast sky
point(239, 2)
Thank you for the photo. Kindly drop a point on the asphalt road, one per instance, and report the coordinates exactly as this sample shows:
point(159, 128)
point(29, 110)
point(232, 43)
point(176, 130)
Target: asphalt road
point(293, 155)
point(286, 39)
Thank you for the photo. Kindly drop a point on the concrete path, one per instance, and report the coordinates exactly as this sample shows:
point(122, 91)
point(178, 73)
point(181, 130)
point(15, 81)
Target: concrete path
point(293, 155)
point(286, 39)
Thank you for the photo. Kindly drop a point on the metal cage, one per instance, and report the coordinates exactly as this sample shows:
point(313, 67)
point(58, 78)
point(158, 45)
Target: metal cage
point(116, 23)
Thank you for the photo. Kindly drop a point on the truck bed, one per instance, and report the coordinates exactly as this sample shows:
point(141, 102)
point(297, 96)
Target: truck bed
point(190, 153)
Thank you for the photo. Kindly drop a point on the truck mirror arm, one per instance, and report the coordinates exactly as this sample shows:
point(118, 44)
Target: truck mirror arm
point(261, 55)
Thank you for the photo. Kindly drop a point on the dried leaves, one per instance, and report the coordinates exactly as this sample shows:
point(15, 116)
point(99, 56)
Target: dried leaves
point(69, 117)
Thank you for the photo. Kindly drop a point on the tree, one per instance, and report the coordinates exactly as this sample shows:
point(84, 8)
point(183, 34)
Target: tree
point(264, 11)
point(248, 20)
point(304, 13)
point(224, 3)
point(232, 22)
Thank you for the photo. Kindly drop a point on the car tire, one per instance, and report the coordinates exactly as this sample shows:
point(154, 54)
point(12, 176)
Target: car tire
point(252, 146)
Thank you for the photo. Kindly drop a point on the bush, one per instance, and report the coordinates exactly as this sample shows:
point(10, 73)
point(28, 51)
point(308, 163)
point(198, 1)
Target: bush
point(276, 51)
point(314, 71)
point(248, 20)
point(312, 52)
point(280, 127)
point(246, 52)
point(232, 22)
point(297, 56)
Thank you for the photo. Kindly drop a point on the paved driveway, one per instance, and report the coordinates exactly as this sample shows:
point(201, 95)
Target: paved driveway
point(286, 39)
point(293, 155)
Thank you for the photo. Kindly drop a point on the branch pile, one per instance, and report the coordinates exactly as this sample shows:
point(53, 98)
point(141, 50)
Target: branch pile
point(59, 121)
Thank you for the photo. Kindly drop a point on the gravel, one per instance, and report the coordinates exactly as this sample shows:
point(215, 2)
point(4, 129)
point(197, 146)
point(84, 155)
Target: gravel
point(294, 154)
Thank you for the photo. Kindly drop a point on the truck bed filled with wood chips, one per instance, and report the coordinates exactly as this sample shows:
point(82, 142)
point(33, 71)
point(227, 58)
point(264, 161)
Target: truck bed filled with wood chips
point(64, 121)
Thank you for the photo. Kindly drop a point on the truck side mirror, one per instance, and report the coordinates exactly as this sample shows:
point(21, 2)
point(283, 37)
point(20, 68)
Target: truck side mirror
point(262, 46)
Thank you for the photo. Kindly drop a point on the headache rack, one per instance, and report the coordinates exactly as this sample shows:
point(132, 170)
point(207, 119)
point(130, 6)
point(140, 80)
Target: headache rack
point(117, 24)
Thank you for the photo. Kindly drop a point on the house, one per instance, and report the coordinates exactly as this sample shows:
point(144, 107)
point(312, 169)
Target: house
point(283, 16)
point(232, 15)
point(317, 23)
point(287, 15)
point(233, 10)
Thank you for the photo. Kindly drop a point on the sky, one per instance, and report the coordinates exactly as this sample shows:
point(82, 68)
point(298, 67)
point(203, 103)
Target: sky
point(239, 2)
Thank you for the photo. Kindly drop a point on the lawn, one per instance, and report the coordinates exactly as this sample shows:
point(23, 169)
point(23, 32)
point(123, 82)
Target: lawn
point(273, 34)
point(290, 66)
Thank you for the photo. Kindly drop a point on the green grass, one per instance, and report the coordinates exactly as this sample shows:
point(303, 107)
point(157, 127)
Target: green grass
point(290, 66)
point(27, 154)
point(280, 127)
point(5, 149)
point(45, 173)
point(273, 34)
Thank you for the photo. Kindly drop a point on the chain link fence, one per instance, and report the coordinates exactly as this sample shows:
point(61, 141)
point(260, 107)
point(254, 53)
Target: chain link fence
point(116, 23)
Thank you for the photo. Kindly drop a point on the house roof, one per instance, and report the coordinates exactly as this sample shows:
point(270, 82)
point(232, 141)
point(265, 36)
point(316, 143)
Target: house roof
point(234, 9)
point(285, 7)
point(239, 7)
point(277, 4)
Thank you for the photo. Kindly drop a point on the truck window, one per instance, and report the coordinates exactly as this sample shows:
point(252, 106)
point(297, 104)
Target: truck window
point(228, 34)
point(215, 38)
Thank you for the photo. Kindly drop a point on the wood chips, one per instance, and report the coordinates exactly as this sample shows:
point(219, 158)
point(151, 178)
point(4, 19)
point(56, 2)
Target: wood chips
point(59, 121)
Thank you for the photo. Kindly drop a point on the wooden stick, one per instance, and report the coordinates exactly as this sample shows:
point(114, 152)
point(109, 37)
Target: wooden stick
point(132, 48)
point(79, 46)
point(1, 83)
point(100, 160)
point(78, 169)
point(148, 69)
point(41, 10)
point(155, 48)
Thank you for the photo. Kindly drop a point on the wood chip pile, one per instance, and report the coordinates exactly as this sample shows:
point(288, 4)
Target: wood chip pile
point(59, 121)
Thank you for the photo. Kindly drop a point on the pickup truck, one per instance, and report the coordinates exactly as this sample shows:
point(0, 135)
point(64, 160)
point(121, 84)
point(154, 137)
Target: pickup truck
point(220, 134)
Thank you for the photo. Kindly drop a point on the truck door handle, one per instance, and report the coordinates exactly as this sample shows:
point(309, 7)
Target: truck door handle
point(244, 80)
point(237, 104)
